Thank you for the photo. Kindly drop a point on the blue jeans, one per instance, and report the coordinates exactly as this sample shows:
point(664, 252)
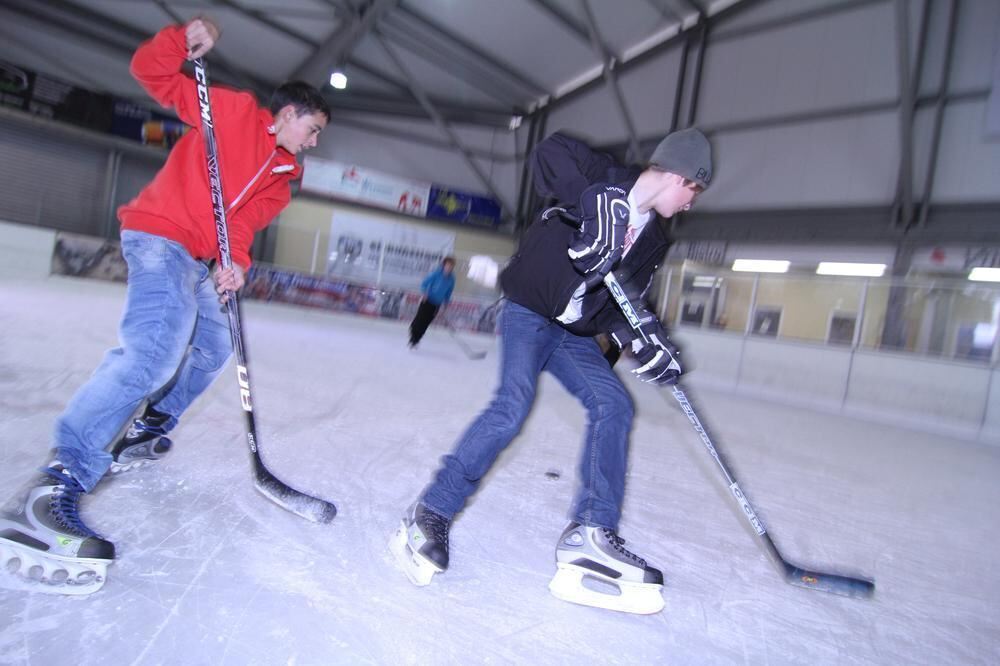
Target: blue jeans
point(529, 344)
point(174, 340)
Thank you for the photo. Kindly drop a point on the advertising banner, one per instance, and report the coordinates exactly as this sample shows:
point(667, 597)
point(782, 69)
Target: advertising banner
point(384, 253)
point(354, 183)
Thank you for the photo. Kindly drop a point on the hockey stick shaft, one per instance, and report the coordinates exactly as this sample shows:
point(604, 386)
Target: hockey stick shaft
point(297, 502)
point(837, 584)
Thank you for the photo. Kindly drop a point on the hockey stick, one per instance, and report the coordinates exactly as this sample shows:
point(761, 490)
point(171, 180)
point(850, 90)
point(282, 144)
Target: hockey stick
point(469, 351)
point(309, 507)
point(815, 580)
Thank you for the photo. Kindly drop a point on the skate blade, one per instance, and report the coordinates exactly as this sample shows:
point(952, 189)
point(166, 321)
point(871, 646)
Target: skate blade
point(416, 567)
point(118, 468)
point(639, 598)
point(24, 568)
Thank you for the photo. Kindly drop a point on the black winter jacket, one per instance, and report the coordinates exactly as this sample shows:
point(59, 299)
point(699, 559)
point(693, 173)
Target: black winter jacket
point(540, 276)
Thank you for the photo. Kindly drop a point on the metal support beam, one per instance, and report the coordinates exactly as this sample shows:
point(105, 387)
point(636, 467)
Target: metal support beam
point(444, 35)
point(894, 330)
point(729, 11)
point(335, 50)
point(675, 112)
point(939, 105)
point(903, 204)
point(410, 108)
point(442, 125)
point(607, 66)
point(696, 79)
point(522, 191)
point(412, 137)
point(482, 81)
point(666, 12)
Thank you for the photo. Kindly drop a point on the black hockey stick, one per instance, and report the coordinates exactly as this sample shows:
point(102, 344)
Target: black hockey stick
point(469, 351)
point(307, 506)
point(815, 580)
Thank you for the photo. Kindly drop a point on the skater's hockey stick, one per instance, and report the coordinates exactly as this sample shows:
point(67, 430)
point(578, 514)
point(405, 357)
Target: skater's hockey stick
point(815, 580)
point(469, 351)
point(309, 507)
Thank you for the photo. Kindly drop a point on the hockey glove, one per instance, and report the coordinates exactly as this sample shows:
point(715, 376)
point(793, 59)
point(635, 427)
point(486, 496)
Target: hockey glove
point(658, 357)
point(600, 240)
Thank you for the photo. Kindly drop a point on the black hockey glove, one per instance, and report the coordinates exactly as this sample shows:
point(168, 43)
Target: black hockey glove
point(599, 243)
point(658, 357)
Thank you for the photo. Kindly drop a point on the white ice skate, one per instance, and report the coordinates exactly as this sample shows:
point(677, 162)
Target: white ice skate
point(44, 545)
point(420, 544)
point(599, 554)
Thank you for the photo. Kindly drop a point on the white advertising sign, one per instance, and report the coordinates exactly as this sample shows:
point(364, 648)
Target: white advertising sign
point(354, 183)
point(379, 252)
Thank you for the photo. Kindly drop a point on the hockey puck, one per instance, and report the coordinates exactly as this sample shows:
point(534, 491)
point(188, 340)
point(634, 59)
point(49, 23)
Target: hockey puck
point(552, 474)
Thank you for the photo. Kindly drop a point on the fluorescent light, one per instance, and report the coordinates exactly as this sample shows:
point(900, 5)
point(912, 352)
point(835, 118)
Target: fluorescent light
point(840, 268)
point(704, 281)
point(761, 266)
point(982, 274)
point(338, 80)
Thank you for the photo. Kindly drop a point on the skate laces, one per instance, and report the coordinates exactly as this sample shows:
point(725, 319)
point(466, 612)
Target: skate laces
point(64, 503)
point(618, 544)
point(436, 524)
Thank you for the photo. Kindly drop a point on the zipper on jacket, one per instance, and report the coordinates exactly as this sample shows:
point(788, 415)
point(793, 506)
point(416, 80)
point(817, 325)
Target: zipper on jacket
point(253, 180)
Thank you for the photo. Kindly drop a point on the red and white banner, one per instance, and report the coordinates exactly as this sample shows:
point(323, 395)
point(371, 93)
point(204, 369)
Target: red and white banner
point(355, 183)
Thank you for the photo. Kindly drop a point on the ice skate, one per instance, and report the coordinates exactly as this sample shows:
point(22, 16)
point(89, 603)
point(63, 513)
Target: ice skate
point(420, 544)
point(44, 544)
point(599, 554)
point(143, 443)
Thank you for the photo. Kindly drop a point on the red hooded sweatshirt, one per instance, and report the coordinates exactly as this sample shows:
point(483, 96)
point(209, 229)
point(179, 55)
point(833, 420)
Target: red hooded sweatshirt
point(256, 173)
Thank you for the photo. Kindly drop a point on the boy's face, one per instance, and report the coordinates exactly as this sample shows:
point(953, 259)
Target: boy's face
point(295, 132)
point(672, 193)
point(447, 267)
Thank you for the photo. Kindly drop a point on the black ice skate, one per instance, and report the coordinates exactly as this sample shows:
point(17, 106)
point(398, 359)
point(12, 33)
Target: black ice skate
point(420, 544)
point(44, 544)
point(143, 443)
point(599, 553)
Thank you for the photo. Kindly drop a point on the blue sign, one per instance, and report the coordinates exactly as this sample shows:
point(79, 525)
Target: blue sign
point(464, 208)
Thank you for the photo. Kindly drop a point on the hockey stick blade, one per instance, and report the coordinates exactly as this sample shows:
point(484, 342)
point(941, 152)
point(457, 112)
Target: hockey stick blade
point(469, 351)
point(845, 586)
point(299, 503)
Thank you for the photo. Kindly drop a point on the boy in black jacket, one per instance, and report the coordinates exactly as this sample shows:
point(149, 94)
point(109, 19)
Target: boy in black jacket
point(556, 304)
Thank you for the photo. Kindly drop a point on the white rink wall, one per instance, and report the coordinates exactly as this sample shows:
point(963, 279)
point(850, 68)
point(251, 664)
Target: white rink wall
point(942, 397)
point(25, 251)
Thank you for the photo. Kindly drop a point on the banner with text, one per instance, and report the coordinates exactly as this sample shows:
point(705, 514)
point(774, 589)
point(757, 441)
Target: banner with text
point(354, 183)
point(384, 253)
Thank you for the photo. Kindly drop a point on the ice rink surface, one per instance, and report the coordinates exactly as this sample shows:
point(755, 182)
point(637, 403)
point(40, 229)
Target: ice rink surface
point(209, 572)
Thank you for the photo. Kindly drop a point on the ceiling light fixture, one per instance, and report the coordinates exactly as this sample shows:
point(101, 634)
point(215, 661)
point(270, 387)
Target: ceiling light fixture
point(761, 265)
point(850, 268)
point(338, 80)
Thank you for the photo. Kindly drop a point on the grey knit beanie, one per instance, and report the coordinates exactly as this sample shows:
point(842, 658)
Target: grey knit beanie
point(686, 153)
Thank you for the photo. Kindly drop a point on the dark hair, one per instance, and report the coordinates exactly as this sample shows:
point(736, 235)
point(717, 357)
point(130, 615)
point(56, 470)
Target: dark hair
point(448, 260)
point(304, 97)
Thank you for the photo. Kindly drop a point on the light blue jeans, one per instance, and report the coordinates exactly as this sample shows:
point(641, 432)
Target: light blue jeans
point(529, 344)
point(174, 341)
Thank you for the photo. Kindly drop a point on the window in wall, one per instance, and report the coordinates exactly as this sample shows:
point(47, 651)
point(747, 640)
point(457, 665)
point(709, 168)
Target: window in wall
point(974, 341)
point(841, 329)
point(693, 312)
point(766, 321)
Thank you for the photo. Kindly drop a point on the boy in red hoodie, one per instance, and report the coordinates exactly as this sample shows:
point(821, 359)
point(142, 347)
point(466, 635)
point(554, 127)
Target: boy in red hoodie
point(174, 338)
